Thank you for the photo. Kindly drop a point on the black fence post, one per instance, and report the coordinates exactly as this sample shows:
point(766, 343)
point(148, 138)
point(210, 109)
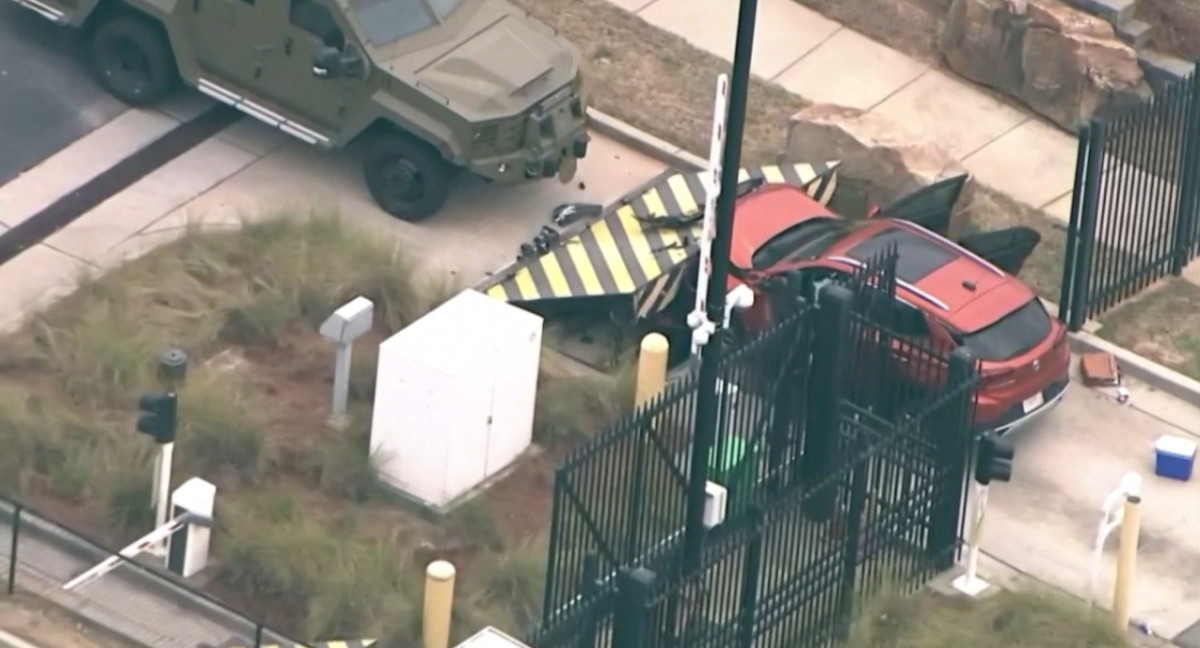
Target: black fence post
point(12, 554)
point(631, 623)
point(830, 356)
point(258, 635)
point(590, 585)
point(1070, 249)
point(552, 558)
point(1086, 241)
point(1186, 235)
point(850, 546)
point(751, 579)
point(955, 438)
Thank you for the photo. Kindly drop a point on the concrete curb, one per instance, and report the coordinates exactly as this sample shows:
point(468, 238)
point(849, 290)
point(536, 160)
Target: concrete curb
point(1132, 364)
point(643, 142)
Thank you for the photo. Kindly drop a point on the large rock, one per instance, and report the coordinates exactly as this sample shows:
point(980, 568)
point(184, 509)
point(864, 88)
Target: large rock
point(878, 155)
point(1063, 63)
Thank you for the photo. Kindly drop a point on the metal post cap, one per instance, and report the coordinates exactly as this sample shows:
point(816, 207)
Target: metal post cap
point(655, 343)
point(172, 365)
point(440, 570)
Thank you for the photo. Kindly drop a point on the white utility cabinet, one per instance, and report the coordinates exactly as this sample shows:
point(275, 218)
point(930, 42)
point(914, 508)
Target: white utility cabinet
point(454, 397)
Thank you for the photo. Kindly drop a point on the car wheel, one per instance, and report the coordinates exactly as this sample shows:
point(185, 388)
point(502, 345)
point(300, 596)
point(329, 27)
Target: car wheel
point(132, 60)
point(407, 178)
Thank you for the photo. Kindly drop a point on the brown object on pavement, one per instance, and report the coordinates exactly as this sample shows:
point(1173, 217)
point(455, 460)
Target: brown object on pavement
point(1099, 369)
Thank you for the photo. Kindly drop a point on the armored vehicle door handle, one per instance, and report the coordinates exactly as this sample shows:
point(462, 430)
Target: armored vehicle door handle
point(262, 49)
point(287, 46)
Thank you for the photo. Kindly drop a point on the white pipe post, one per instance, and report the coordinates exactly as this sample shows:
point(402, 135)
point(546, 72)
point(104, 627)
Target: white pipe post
point(701, 327)
point(970, 583)
point(162, 492)
point(341, 381)
point(1114, 515)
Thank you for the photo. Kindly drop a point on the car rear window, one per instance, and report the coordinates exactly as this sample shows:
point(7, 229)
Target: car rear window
point(1011, 335)
point(804, 240)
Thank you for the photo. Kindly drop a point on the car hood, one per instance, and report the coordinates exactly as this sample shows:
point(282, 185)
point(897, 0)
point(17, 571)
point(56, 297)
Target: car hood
point(501, 64)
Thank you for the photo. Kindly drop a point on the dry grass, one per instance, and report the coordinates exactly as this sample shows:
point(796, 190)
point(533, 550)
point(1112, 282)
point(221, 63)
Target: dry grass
point(1163, 325)
point(1040, 619)
point(305, 538)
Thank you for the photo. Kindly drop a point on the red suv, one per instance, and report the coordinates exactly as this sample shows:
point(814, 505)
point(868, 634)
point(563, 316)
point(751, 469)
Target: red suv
point(947, 295)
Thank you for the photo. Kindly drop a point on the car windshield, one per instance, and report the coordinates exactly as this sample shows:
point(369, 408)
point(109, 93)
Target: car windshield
point(386, 21)
point(1011, 335)
point(803, 240)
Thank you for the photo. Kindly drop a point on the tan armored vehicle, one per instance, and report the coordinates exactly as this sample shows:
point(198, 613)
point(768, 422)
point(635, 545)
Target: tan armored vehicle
point(432, 86)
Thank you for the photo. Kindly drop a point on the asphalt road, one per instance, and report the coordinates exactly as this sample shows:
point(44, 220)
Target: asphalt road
point(47, 96)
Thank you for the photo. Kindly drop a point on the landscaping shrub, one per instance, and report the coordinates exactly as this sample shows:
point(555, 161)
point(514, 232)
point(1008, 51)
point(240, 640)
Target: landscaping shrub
point(218, 431)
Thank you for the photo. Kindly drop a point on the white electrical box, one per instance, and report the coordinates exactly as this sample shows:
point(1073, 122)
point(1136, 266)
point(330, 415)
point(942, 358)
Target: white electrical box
point(490, 637)
point(454, 397)
point(715, 497)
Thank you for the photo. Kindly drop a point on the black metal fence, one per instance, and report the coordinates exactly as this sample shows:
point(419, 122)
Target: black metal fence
point(843, 448)
point(142, 603)
point(1135, 214)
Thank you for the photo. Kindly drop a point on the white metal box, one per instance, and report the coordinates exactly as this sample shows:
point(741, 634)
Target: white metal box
point(454, 397)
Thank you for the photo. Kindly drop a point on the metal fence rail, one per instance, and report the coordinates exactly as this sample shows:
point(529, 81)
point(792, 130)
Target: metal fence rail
point(138, 602)
point(1135, 213)
point(621, 499)
point(836, 487)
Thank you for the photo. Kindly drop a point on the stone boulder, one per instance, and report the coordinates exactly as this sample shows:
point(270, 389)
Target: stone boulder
point(1061, 62)
point(880, 159)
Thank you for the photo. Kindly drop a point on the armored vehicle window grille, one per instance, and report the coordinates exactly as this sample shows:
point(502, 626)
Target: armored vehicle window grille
point(386, 21)
point(314, 18)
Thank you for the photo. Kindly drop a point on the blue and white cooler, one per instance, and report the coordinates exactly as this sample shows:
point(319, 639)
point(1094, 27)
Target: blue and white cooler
point(1174, 457)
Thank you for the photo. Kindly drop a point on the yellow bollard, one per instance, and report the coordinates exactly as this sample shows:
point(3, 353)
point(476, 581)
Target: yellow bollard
point(439, 600)
point(652, 368)
point(1131, 523)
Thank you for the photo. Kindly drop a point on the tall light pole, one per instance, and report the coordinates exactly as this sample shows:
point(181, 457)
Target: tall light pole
point(707, 396)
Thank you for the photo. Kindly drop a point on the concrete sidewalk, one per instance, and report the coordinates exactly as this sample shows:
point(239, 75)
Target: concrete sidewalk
point(1004, 147)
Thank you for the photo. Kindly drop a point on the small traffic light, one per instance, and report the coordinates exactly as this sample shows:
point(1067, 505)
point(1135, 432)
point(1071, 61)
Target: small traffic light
point(994, 460)
point(156, 415)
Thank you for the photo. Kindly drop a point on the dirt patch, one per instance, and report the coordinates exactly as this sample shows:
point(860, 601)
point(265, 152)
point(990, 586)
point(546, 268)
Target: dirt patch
point(47, 626)
point(1163, 324)
point(295, 491)
point(658, 82)
point(1176, 26)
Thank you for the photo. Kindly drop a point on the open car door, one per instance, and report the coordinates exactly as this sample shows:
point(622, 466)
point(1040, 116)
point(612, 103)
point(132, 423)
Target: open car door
point(929, 207)
point(1007, 249)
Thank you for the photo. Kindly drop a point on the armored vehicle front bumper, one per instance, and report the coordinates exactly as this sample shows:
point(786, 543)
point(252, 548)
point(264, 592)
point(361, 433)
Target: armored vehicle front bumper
point(551, 134)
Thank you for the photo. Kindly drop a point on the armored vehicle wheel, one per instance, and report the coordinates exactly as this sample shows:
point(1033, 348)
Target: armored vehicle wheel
point(407, 178)
point(132, 60)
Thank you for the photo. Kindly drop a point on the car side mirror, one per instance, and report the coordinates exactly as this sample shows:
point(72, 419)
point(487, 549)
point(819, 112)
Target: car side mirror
point(332, 63)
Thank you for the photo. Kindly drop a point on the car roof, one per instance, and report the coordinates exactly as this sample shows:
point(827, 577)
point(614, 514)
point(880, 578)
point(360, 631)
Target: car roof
point(937, 275)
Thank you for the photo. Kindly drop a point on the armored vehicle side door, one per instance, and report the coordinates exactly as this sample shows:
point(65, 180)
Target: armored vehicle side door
point(307, 26)
point(230, 39)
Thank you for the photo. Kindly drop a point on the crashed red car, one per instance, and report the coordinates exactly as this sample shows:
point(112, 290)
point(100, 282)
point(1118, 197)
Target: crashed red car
point(947, 295)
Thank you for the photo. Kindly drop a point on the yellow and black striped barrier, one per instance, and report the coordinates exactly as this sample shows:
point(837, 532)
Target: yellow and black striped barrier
point(624, 253)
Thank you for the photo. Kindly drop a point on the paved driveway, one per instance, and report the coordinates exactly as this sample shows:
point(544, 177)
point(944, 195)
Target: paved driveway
point(47, 96)
point(1044, 521)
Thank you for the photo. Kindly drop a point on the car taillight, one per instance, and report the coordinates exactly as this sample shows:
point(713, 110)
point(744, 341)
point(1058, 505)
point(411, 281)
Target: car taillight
point(998, 377)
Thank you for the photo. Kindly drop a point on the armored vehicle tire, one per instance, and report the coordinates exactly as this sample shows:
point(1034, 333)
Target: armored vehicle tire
point(132, 60)
point(407, 177)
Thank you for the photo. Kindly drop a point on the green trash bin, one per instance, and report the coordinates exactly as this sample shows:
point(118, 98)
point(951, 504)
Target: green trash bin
point(732, 463)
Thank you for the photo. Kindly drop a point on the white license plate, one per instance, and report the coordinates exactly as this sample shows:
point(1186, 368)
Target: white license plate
point(1033, 402)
